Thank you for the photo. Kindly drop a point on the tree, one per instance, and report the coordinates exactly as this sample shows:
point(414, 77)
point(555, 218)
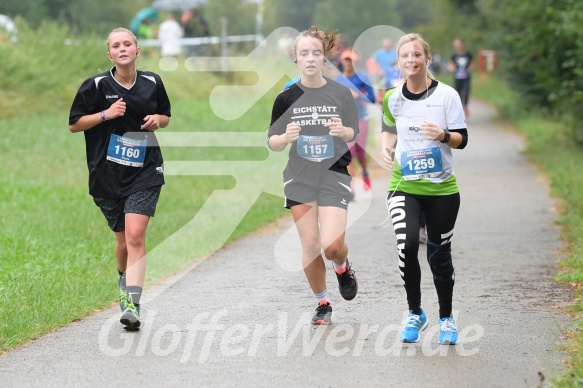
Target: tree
point(81, 15)
point(413, 15)
point(351, 21)
point(240, 16)
point(539, 46)
point(467, 7)
point(297, 14)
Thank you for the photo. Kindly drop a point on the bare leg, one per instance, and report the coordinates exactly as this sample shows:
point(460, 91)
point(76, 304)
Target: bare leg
point(333, 221)
point(121, 251)
point(352, 172)
point(306, 220)
point(135, 237)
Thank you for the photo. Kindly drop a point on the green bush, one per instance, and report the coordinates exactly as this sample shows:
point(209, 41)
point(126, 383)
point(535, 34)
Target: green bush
point(540, 48)
point(46, 66)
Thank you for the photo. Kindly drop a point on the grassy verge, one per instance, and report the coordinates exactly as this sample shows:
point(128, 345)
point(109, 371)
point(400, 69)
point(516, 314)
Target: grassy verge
point(56, 251)
point(552, 149)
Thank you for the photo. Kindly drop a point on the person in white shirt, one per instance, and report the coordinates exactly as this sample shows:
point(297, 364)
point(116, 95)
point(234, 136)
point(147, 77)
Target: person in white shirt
point(427, 118)
point(170, 33)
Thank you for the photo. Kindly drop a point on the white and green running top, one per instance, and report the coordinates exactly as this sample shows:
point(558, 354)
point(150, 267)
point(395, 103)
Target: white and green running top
point(423, 167)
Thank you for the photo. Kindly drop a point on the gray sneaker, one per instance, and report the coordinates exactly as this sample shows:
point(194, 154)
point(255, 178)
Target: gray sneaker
point(323, 314)
point(130, 317)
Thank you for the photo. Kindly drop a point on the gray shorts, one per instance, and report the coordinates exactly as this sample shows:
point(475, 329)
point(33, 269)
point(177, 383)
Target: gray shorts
point(333, 189)
point(141, 202)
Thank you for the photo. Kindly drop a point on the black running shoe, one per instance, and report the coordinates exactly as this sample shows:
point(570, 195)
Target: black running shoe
point(323, 314)
point(347, 283)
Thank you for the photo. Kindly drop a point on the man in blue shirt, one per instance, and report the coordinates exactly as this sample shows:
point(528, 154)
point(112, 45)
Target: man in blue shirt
point(386, 57)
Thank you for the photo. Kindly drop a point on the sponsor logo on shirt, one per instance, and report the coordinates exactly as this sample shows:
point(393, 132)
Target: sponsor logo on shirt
point(111, 96)
point(314, 115)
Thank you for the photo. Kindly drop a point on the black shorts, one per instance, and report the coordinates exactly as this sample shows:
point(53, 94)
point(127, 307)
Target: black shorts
point(141, 202)
point(333, 189)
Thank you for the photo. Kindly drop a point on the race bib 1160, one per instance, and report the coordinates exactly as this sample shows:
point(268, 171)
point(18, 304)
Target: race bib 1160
point(126, 151)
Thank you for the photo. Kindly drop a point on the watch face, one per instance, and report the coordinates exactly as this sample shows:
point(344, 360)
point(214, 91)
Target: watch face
point(446, 137)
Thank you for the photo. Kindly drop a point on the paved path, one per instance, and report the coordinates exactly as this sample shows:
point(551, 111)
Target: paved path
point(241, 316)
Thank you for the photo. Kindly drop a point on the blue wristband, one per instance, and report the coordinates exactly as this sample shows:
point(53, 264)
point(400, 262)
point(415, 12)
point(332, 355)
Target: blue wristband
point(102, 115)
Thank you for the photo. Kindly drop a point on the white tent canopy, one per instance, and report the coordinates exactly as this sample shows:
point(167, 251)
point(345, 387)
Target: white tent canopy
point(177, 5)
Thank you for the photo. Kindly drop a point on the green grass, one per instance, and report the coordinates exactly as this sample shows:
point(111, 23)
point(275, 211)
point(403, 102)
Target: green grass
point(56, 251)
point(550, 146)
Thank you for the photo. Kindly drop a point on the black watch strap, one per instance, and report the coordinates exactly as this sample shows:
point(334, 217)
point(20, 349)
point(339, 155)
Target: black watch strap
point(446, 136)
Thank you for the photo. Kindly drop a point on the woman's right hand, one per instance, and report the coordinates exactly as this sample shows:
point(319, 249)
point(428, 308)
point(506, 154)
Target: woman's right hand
point(292, 132)
point(388, 156)
point(117, 109)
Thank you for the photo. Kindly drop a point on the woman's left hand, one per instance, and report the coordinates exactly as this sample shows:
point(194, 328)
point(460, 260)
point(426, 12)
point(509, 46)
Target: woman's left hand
point(339, 130)
point(151, 123)
point(431, 131)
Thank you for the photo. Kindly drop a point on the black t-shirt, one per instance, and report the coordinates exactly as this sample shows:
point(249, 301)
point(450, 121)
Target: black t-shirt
point(311, 108)
point(462, 63)
point(147, 96)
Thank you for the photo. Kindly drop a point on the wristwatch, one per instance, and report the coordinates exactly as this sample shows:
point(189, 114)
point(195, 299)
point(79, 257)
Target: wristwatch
point(446, 136)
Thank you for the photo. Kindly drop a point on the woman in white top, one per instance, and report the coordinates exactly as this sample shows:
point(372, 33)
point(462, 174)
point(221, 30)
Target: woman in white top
point(427, 118)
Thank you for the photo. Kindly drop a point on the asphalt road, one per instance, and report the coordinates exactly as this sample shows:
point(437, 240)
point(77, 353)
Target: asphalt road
point(241, 317)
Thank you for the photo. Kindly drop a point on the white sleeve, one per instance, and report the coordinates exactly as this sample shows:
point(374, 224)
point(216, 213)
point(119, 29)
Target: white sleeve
point(454, 110)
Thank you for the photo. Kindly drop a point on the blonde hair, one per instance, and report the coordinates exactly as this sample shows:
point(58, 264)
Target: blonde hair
point(329, 41)
point(424, 45)
point(120, 29)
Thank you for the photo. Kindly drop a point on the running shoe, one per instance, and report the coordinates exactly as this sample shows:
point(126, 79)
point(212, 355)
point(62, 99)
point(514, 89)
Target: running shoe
point(447, 331)
point(121, 282)
point(347, 283)
point(123, 300)
point(413, 326)
point(323, 314)
point(130, 317)
point(366, 185)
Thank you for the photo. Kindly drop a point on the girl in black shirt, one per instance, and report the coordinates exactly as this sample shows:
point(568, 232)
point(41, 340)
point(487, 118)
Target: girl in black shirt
point(317, 116)
point(118, 112)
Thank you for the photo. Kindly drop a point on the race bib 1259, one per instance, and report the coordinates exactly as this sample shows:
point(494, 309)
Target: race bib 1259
point(418, 164)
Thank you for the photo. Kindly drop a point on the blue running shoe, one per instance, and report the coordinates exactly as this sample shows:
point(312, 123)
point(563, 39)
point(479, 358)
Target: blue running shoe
point(447, 331)
point(415, 323)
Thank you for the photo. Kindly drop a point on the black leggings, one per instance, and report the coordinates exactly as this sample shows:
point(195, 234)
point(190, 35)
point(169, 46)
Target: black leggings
point(463, 88)
point(440, 216)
